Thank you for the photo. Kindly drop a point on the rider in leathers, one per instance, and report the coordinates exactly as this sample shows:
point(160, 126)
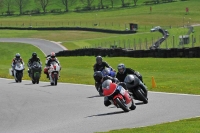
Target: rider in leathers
point(15, 60)
point(100, 64)
point(31, 60)
point(50, 59)
point(123, 72)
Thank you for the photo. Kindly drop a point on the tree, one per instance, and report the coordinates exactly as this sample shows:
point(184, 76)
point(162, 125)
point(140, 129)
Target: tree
point(88, 3)
point(135, 2)
point(43, 4)
point(112, 3)
point(21, 4)
point(123, 3)
point(101, 3)
point(7, 4)
point(67, 3)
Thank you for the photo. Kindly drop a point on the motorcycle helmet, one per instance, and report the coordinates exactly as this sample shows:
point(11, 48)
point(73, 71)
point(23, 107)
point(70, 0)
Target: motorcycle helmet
point(17, 56)
point(53, 55)
point(106, 84)
point(99, 60)
point(129, 79)
point(108, 87)
point(34, 55)
point(98, 76)
point(106, 72)
point(121, 68)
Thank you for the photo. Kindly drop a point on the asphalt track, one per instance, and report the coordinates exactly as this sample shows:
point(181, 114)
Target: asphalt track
point(71, 108)
point(46, 46)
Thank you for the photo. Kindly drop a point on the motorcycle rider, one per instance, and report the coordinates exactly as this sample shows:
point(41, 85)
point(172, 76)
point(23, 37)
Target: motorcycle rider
point(100, 64)
point(123, 72)
point(50, 59)
point(31, 60)
point(100, 78)
point(108, 84)
point(15, 60)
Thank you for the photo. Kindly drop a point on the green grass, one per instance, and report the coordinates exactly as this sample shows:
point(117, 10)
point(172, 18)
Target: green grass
point(182, 126)
point(118, 18)
point(177, 75)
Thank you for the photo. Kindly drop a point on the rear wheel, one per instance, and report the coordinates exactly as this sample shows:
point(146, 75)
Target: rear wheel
point(121, 104)
point(33, 81)
point(133, 106)
point(37, 81)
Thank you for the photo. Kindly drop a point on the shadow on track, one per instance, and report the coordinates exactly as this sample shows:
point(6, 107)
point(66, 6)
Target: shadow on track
point(139, 103)
point(29, 84)
point(105, 114)
point(94, 96)
point(47, 85)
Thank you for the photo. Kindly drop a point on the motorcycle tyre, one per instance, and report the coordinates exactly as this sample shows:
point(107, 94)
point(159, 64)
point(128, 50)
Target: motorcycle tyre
point(121, 105)
point(33, 81)
point(133, 107)
point(55, 79)
point(141, 96)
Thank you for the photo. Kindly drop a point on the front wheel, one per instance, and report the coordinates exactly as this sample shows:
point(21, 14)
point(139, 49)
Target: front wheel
point(121, 104)
point(55, 79)
point(33, 81)
point(141, 96)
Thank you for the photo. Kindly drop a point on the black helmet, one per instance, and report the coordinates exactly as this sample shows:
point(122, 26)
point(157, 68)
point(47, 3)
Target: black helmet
point(99, 60)
point(121, 68)
point(17, 55)
point(98, 76)
point(129, 79)
point(34, 55)
point(106, 84)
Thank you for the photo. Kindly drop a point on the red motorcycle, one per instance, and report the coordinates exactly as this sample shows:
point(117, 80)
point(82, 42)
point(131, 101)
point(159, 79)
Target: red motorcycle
point(118, 96)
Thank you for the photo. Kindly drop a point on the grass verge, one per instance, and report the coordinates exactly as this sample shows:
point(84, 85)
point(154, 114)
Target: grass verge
point(181, 126)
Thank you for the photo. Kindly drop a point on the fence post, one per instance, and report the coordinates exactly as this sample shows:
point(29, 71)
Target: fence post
point(140, 44)
point(134, 44)
point(192, 41)
point(173, 41)
point(146, 43)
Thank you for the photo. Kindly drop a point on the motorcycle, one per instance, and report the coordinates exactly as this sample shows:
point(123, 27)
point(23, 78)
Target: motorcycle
point(105, 72)
point(137, 88)
point(116, 95)
point(18, 71)
point(35, 72)
point(54, 72)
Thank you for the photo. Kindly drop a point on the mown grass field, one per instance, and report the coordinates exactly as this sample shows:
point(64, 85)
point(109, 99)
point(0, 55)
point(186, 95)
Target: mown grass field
point(166, 15)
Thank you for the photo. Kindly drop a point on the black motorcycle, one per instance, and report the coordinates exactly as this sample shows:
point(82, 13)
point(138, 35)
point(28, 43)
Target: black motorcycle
point(137, 88)
point(35, 72)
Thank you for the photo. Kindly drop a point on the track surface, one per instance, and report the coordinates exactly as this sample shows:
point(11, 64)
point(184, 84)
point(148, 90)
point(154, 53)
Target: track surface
point(46, 46)
point(41, 108)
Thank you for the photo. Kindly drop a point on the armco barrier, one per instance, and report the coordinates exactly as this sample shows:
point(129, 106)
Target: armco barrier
point(119, 52)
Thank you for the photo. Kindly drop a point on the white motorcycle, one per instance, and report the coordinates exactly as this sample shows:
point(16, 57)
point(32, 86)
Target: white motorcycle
point(54, 72)
point(18, 71)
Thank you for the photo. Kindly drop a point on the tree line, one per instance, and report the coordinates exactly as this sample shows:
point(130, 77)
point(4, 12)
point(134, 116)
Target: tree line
point(21, 5)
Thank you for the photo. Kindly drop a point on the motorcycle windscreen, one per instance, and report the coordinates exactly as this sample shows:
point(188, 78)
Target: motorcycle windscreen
point(109, 91)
